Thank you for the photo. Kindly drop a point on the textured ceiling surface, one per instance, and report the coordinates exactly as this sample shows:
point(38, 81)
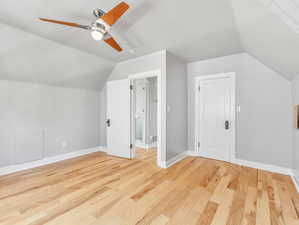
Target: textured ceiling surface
point(193, 30)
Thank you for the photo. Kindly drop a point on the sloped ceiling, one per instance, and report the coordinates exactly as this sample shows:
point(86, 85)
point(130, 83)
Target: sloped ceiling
point(192, 30)
point(27, 57)
point(265, 36)
point(35, 51)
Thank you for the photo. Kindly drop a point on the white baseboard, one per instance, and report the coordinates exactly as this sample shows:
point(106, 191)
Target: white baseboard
point(152, 145)
point(146, 146)
point(256, 165)
point(192, 153)
point(262, 166)
point(172, 161)
point(295, 181)
point(19, 167)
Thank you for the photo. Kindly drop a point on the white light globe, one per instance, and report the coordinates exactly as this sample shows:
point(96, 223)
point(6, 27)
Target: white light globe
point(97, 35)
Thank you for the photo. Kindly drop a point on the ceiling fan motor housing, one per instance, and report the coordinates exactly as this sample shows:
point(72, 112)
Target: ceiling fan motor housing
point(97, 26)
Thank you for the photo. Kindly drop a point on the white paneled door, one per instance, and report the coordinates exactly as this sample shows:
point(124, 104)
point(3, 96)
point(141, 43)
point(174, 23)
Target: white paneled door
point(118, 118)
point(214, 118)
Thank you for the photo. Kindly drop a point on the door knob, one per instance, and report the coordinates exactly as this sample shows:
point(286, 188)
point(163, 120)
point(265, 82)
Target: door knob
point(226, 125)
point(108, 123)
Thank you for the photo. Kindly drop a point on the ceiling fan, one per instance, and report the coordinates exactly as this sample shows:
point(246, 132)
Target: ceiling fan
point(101, 27)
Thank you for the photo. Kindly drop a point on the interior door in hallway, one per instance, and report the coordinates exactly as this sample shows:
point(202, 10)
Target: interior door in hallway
point(214, 109)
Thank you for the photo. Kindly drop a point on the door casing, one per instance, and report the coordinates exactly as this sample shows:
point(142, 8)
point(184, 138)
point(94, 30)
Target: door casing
point(161, 143)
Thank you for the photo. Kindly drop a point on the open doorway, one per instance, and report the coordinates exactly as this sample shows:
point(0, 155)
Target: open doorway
point(136, 124)
point(144, 113)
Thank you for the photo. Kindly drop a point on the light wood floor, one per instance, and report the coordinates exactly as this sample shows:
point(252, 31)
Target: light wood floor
point(101, 190)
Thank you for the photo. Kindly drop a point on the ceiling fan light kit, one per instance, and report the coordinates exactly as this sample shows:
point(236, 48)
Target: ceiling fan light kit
point(98, 36)
point(100, 28)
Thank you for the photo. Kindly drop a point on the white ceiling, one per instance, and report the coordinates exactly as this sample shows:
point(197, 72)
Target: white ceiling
point(29, 58)
point(193, 30)
point(267, 37)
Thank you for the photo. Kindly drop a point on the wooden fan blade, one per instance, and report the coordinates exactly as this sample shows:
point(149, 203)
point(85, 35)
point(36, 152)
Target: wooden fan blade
point(64, 23)
point(114, 14)
point(110, 41)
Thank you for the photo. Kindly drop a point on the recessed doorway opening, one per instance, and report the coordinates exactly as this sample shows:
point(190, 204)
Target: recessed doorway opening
point(146, 113)
point(134, 116)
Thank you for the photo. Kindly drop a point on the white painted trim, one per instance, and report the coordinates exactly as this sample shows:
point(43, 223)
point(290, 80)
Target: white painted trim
point(161, 118)
point(256, 165)
point(146, 146)
point(295, 181)
point(144, 75)
point(193, 153)
point(173, 160)
point(260, 166)
point(48, 160)
point(232, 76)
point(263, 166)
point(152, 145)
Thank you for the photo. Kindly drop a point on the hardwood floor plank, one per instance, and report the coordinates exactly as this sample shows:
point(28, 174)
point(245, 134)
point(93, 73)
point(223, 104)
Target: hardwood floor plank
point(208, 214)
point(263, 210)
point(224, 208)
point(161, 220)
point(238, 204)
point(249, 216)
point(98, 189)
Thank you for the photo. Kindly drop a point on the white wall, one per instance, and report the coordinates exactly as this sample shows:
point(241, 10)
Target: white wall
point(37, 119)
point(177, 123)
point(141, 64)
point(295, 84)
point(264, 124)
point(103, 107)
point(174, 95)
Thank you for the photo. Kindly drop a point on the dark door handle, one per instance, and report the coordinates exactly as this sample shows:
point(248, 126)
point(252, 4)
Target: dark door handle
point(226, 125)
point(108, 123)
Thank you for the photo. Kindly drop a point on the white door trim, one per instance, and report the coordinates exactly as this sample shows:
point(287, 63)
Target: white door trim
point(161, 117)
point(232, 76)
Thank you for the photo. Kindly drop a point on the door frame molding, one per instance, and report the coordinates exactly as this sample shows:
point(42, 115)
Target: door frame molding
point(232, 77)
point(161, 113)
